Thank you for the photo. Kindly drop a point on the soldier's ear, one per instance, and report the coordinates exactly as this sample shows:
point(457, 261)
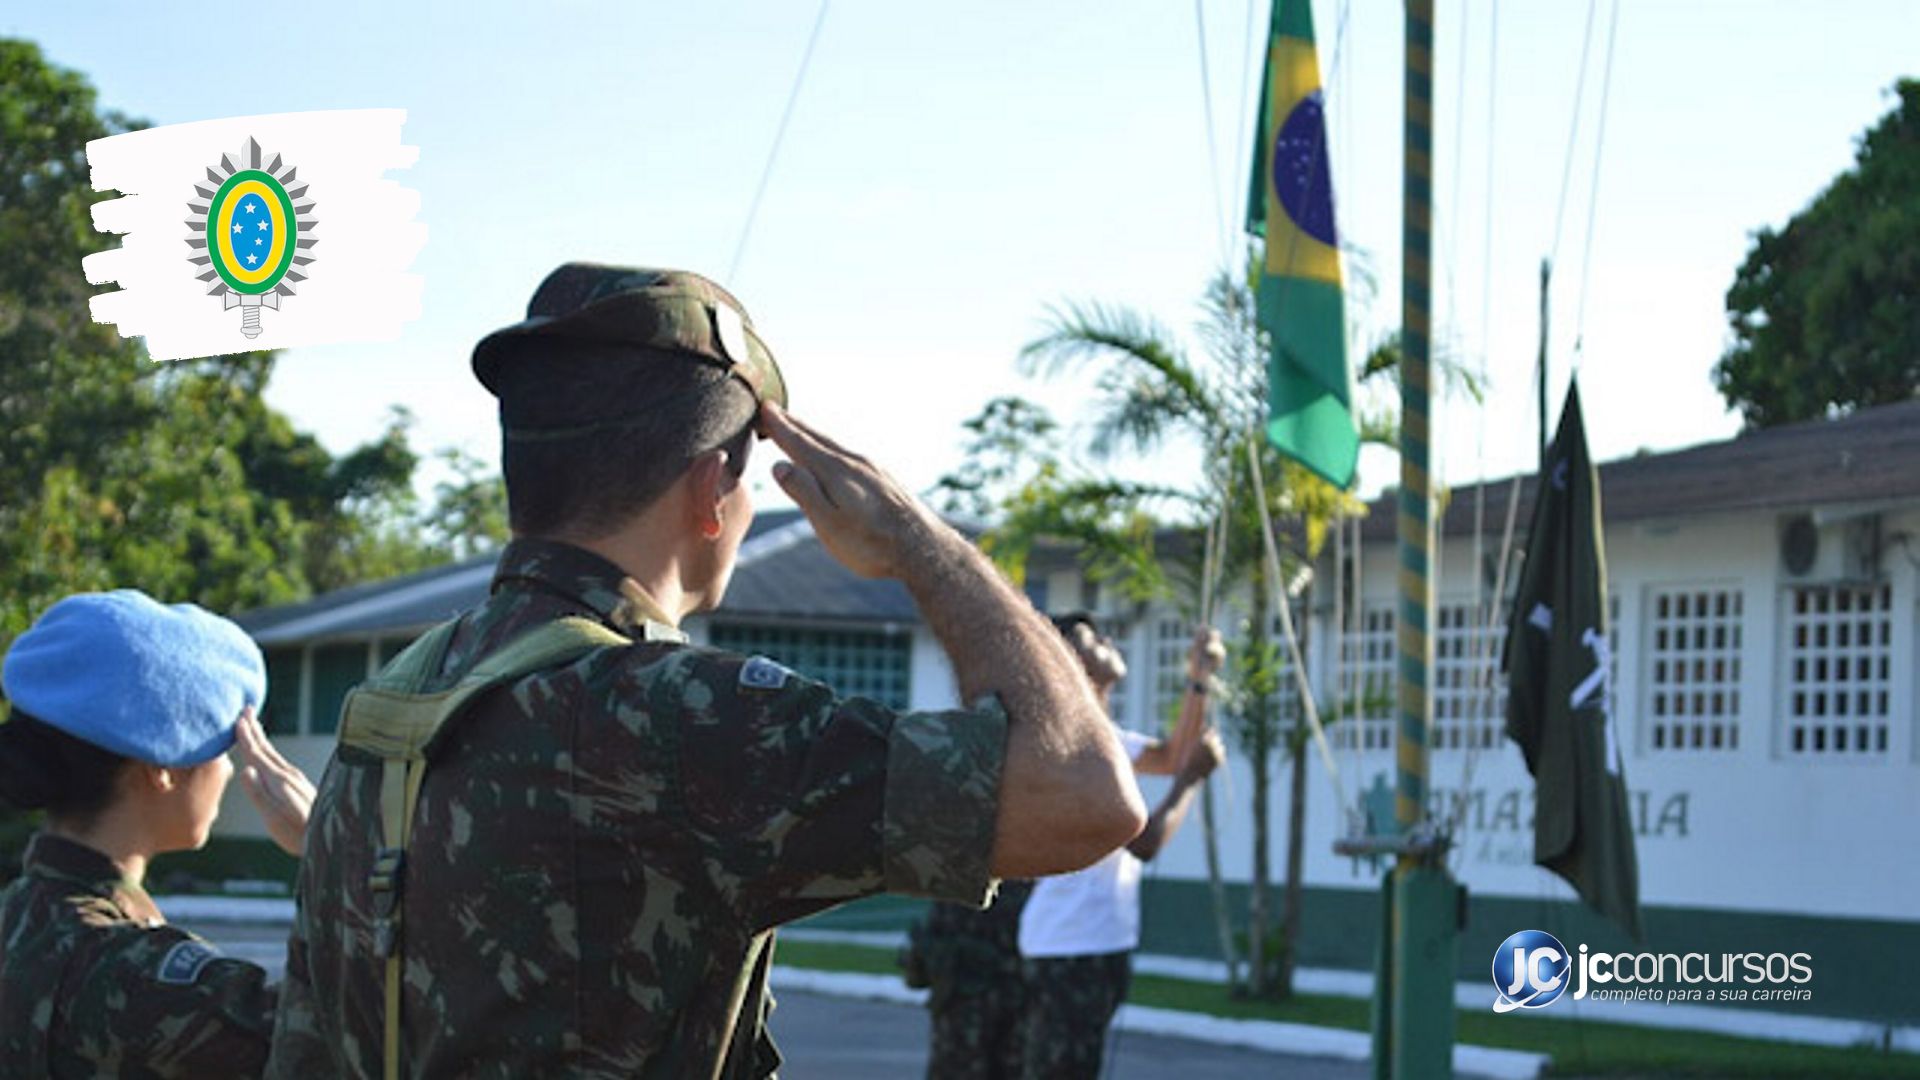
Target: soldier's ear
point(157, 778)
point(708, 484)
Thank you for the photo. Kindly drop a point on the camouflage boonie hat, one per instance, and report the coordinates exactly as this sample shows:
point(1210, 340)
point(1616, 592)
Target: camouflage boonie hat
point(664, 310)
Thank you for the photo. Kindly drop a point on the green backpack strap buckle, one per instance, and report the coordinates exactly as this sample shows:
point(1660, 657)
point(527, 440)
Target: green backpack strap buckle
point(388, 865)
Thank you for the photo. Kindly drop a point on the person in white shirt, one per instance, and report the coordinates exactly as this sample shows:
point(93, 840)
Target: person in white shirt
point(1078, 931)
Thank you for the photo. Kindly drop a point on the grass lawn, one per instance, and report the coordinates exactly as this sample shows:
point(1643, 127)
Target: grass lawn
point(1577, 1049)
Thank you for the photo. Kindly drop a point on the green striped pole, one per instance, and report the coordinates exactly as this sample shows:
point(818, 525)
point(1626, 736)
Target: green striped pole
point(1415, 405)
point(1413, 1009)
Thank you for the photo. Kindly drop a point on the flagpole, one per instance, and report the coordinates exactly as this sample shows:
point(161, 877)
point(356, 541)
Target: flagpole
point(1414, 1011)
point(1415, 534)
point(1540, 368)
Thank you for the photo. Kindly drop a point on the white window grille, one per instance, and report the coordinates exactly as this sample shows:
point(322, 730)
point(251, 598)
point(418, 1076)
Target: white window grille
point(1168, 642)
point(1694, 639)
point(1839, 642)
point(1462, 711)
point(1171, 639)
point(1287, 691)
point(1366, 662)
point(1467, 712)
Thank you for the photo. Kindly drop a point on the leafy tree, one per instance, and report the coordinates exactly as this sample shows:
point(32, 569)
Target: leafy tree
point(1825, 313)
point(469, 510)
point(1149, 392)
point(174, 478)
point(1009, 439)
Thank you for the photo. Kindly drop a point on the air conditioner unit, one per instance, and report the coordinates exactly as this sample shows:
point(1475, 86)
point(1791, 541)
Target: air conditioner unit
point(1799, 546)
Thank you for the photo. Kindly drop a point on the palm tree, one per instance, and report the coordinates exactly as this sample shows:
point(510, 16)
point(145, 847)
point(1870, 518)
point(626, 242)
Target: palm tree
point(1150, 391)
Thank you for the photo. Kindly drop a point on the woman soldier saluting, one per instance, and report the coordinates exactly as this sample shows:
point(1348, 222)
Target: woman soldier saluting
point(123, 711)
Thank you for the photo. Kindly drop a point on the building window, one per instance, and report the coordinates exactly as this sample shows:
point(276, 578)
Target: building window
point(336, 670)
point(1469, 712)
point(1036, 590)
point(1172, 637)
point(1469, 697)
point(1839, 658)
point(1286, 687)
point(1693, 669)
point(855, 663)
point(281, 714)
point(1366, 669)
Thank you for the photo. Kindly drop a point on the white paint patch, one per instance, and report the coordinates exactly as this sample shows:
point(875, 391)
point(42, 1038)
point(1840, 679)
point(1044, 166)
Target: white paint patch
point(356, 289)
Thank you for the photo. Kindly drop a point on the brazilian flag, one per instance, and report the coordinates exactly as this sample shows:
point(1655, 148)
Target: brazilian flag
point(1560, 705)
point(1301, 300)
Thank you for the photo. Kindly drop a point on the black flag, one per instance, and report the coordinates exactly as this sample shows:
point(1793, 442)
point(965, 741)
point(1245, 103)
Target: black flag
point(1560, 706)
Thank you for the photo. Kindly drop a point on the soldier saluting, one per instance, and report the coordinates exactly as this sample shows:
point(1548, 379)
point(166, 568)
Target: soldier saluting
point(557, 838)
point(123, 713)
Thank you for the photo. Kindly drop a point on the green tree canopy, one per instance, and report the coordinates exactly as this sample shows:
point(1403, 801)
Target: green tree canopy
point(1825, 313)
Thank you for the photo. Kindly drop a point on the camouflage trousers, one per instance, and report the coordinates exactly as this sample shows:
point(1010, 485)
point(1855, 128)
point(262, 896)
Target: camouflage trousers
point(1070, 1002)
point(977, 1034)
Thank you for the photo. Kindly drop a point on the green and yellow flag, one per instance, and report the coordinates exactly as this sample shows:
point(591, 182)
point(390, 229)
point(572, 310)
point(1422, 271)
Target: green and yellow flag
point(1302, 303)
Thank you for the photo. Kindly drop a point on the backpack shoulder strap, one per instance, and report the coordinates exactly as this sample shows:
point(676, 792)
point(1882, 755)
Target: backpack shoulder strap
point(393, 718)
point(390, 716)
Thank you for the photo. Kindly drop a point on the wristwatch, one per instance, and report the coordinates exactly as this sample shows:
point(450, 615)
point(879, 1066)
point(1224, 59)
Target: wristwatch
point(1198, 686)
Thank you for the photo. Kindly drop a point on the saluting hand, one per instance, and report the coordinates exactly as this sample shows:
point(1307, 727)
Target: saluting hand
point(279, 790)
point(865, 519)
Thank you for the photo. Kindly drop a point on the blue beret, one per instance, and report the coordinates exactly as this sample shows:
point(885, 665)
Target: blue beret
point(156, 683)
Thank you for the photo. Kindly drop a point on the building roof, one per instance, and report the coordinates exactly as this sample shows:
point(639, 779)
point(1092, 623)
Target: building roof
point(779, 545)
point(783, 573)
point(408, 602)
point(1866, 458)
point(788, 574)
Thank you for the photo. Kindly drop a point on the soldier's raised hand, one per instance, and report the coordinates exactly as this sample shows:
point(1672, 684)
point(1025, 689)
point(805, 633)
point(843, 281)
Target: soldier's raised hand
point(1206, 756)
point(279, 790)
point(1206, 655)
point(866, 520)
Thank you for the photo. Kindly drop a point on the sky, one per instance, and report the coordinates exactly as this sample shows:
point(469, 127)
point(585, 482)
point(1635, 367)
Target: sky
point(950, 171)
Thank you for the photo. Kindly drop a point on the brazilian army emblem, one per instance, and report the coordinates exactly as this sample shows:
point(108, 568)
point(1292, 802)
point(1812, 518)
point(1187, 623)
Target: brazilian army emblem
point(251, 232)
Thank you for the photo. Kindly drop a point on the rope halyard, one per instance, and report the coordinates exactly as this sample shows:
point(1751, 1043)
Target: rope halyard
point(1282, 604)
point(773, 154)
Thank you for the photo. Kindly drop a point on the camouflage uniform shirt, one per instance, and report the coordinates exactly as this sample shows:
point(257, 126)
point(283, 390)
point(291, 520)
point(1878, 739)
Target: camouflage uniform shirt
point(977, 1002)
point(93, 983)
point(601, 850)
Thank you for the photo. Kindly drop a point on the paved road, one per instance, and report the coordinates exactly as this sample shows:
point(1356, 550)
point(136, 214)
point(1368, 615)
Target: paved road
point(825, 1038)
point(832, 1038)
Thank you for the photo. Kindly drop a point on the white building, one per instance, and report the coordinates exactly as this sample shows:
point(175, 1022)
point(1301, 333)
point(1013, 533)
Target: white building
point(1766, 593)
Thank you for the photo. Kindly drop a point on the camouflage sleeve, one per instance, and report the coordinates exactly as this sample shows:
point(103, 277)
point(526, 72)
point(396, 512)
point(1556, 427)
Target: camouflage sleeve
point(168, 1001)
point(300, 1048)
point(807, 800)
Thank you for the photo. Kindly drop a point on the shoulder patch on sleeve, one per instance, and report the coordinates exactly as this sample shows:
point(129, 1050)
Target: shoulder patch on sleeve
point(182, 964)
point(760, 673)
